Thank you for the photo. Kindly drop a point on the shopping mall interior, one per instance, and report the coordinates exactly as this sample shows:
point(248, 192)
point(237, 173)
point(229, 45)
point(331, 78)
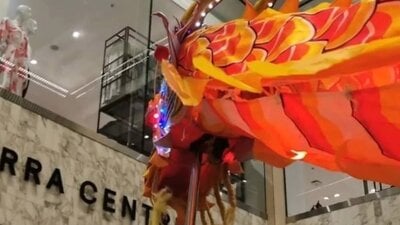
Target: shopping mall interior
point(75, 143)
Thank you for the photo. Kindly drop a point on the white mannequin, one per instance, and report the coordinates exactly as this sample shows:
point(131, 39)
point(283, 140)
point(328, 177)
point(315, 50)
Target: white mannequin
point(23, 20)
point(14, 48)
point(23, 14)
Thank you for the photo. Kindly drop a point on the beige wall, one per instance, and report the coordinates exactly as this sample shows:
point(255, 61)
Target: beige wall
point(79, 159)
point(275, 196)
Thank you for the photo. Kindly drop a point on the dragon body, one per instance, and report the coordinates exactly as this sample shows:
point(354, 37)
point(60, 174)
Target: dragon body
point(319, 86)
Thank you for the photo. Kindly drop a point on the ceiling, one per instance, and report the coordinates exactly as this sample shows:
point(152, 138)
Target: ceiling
point(78, 61)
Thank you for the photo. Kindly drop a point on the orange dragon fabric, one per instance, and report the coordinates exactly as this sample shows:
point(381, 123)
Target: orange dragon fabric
point(321, 85)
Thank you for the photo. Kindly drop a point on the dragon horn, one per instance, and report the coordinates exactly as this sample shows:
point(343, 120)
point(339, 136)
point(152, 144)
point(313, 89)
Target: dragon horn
point(249, 11)
point(290, 6)
point(173, 42)
point(260, 5)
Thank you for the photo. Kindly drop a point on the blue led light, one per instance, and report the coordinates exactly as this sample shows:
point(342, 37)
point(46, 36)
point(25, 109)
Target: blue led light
point(163, 151)
point(163, 107)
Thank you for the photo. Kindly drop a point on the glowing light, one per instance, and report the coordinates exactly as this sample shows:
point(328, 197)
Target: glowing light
point(326, 198)
point(34, 62)
point(155, 126)
point(24, 71)
point(47, 84)
point(203, 14)
point(163, 151)
point(270, 4)
point(210, 6)
point(198, 24)
point(8, 63)
point(42, 85)
point(156, 115)
point(299, 155)
point(244, 181)
point(336, 195)
point(76, 34)
point(146, 136)
point(372, 191)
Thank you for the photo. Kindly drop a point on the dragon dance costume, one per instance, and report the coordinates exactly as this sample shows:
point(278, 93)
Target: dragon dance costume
point(319, 86)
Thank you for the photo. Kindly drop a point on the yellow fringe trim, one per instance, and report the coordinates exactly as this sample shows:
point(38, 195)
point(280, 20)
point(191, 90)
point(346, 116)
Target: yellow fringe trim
point(160, 206)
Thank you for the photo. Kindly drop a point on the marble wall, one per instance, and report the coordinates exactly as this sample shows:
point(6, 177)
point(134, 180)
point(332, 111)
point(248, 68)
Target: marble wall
point(385, 211)
point(79, 159)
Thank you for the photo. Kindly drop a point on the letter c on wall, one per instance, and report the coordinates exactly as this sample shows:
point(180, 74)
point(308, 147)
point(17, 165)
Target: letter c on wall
point(85, 189)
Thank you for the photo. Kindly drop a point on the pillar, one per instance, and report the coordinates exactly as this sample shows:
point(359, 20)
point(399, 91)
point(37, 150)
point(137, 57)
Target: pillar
point(276, 204)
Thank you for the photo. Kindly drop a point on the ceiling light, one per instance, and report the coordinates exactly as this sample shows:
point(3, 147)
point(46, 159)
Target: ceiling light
point(372, 191)
point(33, 61)
point(146, 136)
point(326, 198)
point(336, 195)
point(198, 24)
point(270, 4)
point(203, 14)
point(76, 34)
point(210, 6)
